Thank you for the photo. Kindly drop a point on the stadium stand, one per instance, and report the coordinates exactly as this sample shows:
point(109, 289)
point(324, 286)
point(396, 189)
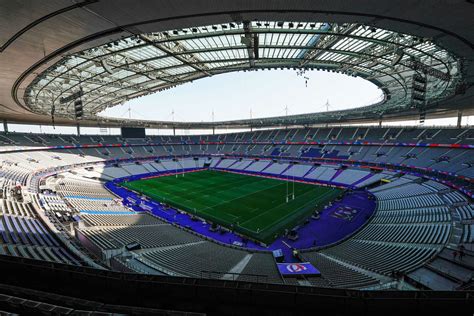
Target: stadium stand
point(417, 220)
point(333, 212)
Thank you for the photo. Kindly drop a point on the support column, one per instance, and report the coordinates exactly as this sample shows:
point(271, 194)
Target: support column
point(459, 119)
point(380, 123)
point(78, 127)
point(213, 130)
point(174, 131)
point(5, 126)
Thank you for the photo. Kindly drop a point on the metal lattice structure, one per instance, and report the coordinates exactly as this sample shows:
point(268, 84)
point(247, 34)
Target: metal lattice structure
point(142, 64)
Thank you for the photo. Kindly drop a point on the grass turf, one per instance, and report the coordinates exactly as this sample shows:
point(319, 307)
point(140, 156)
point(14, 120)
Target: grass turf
point(253, 206)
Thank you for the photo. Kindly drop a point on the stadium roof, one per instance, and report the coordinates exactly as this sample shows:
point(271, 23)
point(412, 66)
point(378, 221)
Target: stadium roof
point(112, 53)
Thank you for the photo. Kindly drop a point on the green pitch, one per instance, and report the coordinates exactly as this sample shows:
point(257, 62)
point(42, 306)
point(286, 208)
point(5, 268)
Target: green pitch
point(256, 207)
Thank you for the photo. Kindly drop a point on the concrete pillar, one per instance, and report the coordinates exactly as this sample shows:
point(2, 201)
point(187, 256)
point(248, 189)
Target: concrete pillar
point(380, 123)
point(213, 130)
point(174, 131)
point(78, 127)
point(5, 126)
point(459, 119)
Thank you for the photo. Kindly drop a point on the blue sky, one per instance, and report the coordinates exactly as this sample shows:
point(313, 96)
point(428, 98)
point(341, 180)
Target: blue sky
point(266, 93)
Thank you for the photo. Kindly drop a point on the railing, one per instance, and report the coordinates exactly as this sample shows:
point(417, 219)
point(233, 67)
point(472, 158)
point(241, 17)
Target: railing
point(232, 276)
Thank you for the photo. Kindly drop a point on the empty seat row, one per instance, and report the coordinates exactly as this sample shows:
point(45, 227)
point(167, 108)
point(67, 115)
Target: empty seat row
point(148, 236)
point(406, 233)
point(138, 219)
point(410, 202)
point(193, 259)
point(381, 257)
point(260, 267)
point(410, 216)
point(27, 231)
point(337, 274)
point(454, 197)
point(466, 212)
point(407, 190)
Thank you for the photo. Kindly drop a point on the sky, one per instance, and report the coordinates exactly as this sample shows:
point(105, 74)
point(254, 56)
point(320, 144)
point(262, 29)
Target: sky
point(240, 95)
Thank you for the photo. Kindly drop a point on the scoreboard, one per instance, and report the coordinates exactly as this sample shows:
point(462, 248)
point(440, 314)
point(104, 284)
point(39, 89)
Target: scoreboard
point(133, 132)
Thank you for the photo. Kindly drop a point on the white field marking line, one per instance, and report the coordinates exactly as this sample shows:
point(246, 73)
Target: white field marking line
point(177, 189)
point(254, 209)
point(226, 185)
point(282, 218)
point(233, 216)
point(287, 179)
point(207, 188)
point(233, 184)
point(271, 209)
point(290, 214)
point(263, 179)
point(163, 195)
point(212, 206)
point(242, 196)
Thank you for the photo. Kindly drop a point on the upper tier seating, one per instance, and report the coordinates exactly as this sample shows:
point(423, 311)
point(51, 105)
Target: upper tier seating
point(445, 159)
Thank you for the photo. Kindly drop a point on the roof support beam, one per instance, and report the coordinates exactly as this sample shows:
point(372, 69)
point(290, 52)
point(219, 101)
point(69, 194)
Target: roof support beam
point(172, 53)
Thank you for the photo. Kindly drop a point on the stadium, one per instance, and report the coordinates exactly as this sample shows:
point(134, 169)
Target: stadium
point(339, 211)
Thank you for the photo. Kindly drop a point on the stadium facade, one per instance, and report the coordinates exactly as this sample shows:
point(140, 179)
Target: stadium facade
point(299, 214)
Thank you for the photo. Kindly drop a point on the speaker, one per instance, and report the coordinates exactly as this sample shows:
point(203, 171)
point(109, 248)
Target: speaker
point(418, 91)
point(255, 47)
point(422, 117)
point(78, 110)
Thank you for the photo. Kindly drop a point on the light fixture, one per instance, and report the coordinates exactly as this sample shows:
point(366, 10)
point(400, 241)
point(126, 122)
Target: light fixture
point(398, 54)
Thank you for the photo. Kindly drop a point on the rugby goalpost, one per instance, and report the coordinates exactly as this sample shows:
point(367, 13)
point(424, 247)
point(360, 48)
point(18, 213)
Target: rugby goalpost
point(290, 195)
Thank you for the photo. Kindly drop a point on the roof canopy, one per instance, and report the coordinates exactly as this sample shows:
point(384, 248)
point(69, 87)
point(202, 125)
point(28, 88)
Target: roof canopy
point(421, 54)
point(412, 72)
